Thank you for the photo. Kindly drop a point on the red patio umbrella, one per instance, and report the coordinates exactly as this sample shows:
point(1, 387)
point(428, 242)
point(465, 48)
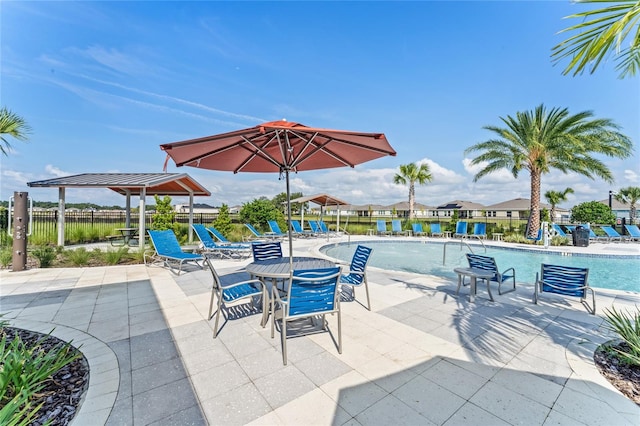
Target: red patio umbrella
point(281, 147)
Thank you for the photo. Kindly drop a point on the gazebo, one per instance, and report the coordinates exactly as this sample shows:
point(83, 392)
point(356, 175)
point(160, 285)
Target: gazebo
point(323, 200)
point(127, 184)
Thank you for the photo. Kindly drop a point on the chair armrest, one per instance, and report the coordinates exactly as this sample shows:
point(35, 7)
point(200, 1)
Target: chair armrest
point(514, 272)
point(242, 283)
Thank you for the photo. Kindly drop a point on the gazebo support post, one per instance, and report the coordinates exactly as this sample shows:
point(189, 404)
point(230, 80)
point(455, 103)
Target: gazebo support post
point(61, 209)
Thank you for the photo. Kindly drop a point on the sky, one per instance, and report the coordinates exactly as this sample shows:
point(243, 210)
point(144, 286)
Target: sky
point(103, 84)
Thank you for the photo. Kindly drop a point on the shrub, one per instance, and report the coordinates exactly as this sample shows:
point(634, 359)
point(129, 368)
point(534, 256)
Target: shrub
point(223, 221)
point(592, 212)
point(259, 211)
point(164, 217)
point(79, 256)
point(45, 255)
point(627, 326)
point(6, 256)
point(113, 257)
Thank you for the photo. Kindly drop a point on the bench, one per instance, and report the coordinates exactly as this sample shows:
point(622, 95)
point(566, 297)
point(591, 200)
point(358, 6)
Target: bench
point(566, 281)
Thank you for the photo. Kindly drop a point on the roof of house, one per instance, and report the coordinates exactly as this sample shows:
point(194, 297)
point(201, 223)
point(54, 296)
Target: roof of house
point(460, 205)
point(519, 204)
point(177, 184)
point(404, 206)
point(615, 204)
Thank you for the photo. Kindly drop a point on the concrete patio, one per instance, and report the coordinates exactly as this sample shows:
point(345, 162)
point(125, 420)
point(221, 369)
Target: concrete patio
point(422, 356)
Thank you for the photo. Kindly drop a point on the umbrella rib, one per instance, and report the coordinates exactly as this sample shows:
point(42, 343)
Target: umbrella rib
point(257, 152)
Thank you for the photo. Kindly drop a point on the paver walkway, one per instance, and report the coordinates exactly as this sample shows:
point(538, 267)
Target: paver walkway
point(422, 356)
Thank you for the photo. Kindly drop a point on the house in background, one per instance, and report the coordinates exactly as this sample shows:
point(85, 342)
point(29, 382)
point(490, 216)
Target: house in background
point(466, 209)
point(621, 210)
point(197, 208)
point(518, 208)
point(401, 209)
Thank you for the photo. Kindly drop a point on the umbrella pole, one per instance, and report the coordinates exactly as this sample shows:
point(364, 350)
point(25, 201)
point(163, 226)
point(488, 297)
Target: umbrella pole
point(286, 171)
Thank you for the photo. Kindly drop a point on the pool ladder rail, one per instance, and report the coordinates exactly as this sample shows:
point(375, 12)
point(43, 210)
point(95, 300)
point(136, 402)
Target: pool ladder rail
point(462, 242)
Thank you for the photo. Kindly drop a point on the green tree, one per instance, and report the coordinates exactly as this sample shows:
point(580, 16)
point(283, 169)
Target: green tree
point(259, 211)
point(12, 125)
point(223, 221)
point(629, 195)
point(556, 197)
point(164, 216)
point(410, 174)
point(613, 29)
point(280, 201)
point(541, 140)
point(592, 212)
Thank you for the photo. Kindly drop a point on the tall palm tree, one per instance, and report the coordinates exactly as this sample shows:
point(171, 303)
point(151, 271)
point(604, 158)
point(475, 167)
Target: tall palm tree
point(629, 195)
point(556, 197)
point(412, 173)
point(602, 32)
point(541, 140)
point(12, 125)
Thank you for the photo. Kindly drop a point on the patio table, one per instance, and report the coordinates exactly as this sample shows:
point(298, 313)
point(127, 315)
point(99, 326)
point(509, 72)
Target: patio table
point(128, 234)
point(473, 275)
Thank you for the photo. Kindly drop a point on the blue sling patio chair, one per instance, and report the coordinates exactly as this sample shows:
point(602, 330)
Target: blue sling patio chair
point(256, 235)
point(488, 263)
point(461, 230)
point(209, 245)
point(633, 231)
point(266, 250)
point(223, 240)
point(436, 230)
point(417, 229)
point(558, 230)
point(612, 234)
point(231, 294)
point(310, 293)
point(298, 231)
point(168, 251)
point(275, 229)
point(396, 228)
point(566, 281)
point(382, 227)
point(479, 230)
point(356, 275)
point(315, 227)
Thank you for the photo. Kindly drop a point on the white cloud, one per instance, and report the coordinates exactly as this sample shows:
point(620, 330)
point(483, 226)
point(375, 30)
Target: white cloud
point(55, 171)
point(499, 176)
point(631, 176)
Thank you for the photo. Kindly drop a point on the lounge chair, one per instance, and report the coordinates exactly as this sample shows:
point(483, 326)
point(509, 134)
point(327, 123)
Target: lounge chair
point(315, 227)
point(461, 230)
point(487, 263)
point(298, 231)
point(310, 293)
point(275, 229)
point(168, 250)
point(435, 230)
point(396, 228)
point(257, 235)
point(558, 230)
point(223, 240)
point(634, 232)
point(356, 275)
point(228, 251)
point(382, 227)
point(479, 231)
point(417, 229)
point(564, 280)
point(324, 228)
point(612, 234)
point(249, 290)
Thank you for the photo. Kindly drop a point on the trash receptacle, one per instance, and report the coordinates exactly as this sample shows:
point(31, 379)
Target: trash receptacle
point(581, 236)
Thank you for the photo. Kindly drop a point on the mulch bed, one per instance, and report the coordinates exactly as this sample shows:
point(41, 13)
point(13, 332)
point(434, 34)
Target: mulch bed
point(624, 377)
point(64, 391)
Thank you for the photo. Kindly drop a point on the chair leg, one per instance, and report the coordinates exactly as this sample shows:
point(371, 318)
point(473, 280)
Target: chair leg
point(215, 327)
point(339, 332)
point(366, 288)
point(283, 339)
point(213, 292)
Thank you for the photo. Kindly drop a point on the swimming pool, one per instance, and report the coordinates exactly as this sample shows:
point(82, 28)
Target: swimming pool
point(618, 273)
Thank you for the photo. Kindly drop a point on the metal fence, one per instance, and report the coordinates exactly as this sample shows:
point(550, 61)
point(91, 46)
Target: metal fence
point(95, 225)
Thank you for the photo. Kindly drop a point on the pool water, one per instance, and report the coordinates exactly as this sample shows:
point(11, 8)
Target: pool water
point(618, 273)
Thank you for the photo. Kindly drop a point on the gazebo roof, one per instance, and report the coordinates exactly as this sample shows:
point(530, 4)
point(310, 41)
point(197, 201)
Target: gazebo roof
point(322, 199)
point(176, 184)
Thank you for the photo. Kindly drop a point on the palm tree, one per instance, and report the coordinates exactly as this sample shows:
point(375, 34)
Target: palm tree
point(12, 125)
point(541, 140)
point(556, 197)
point(412, 173)
point(602, 32)
point(630, 195)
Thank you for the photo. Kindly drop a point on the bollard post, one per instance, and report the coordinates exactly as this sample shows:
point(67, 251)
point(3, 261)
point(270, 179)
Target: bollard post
point(20, 219)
